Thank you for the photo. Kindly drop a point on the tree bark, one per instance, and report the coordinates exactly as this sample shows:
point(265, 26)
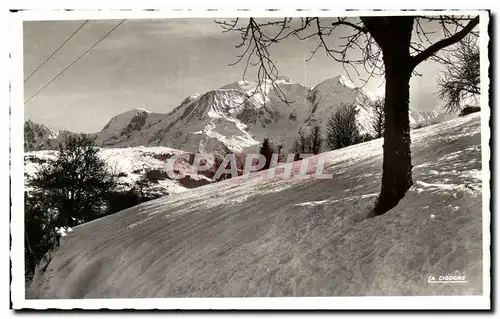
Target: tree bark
point(396, 176)
point(394, 39)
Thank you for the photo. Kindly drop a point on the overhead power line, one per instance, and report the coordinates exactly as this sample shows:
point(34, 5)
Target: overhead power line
point(57, 50)
point(71, 64)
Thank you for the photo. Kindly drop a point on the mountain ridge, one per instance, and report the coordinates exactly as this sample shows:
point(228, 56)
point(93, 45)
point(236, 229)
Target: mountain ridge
point(236, 116)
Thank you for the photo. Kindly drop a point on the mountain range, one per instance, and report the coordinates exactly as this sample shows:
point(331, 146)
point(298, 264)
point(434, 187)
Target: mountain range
point(236, 117)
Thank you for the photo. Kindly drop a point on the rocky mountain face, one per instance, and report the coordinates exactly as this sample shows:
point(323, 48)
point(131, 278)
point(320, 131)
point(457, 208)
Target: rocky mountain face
point(39, 137)
point(235, 117)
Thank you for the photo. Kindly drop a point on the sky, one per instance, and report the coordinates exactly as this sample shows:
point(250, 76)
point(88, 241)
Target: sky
point(156, 64)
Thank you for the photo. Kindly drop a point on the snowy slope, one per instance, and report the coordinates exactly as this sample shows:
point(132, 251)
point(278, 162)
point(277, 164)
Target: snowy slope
point(129, 164)
point(127, 127)
point(238, 116)
point(428, 117)
point(265, 236)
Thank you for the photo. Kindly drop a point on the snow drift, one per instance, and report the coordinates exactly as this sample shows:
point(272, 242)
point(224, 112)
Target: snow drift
point(264, 236)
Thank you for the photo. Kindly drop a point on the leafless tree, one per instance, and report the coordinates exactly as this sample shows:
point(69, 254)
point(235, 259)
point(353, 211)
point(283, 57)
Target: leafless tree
point(308, 141)
point(342, 129)
point(278, 147)
point(382, 45)
point(460, 81)
point(378, 117)
point(302, 144)
point(315, 139)
point(266, 151)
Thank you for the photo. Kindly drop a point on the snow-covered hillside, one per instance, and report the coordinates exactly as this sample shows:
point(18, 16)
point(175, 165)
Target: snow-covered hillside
point(271, 236)
point(128, 165)
point(238, 116)
point(125, 126)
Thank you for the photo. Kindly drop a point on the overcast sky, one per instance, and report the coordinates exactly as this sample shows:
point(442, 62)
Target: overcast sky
point(155, 64)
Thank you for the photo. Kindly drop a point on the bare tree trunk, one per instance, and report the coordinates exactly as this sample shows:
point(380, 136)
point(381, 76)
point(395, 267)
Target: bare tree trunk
point(394, 38)
point(396, 176)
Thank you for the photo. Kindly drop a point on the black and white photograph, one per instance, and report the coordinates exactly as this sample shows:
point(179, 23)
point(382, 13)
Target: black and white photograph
point(239, 159)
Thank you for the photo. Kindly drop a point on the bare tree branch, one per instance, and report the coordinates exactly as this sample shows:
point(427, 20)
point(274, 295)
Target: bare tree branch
point(352, 25)
point(256, 40)
point(358, 49)
point(430, 51)
point(460, 82)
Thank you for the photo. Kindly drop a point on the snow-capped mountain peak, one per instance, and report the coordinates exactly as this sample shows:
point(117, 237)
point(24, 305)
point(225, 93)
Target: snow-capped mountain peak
point(343, 81)
point(39, 136)
point(142, 110)
point(239, 115)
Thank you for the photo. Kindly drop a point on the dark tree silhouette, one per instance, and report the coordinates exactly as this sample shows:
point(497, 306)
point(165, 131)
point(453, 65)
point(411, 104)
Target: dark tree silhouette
point(342, 129)
point(66, 191)
point(300, 145)
point(297, 146)
point(383, 45)
point(307, 143)
point(315, 139)
point(460, 81)
point(75, 184)
point(267, 151)
point(40, 235)
point(469, 109)
point(378, 117)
